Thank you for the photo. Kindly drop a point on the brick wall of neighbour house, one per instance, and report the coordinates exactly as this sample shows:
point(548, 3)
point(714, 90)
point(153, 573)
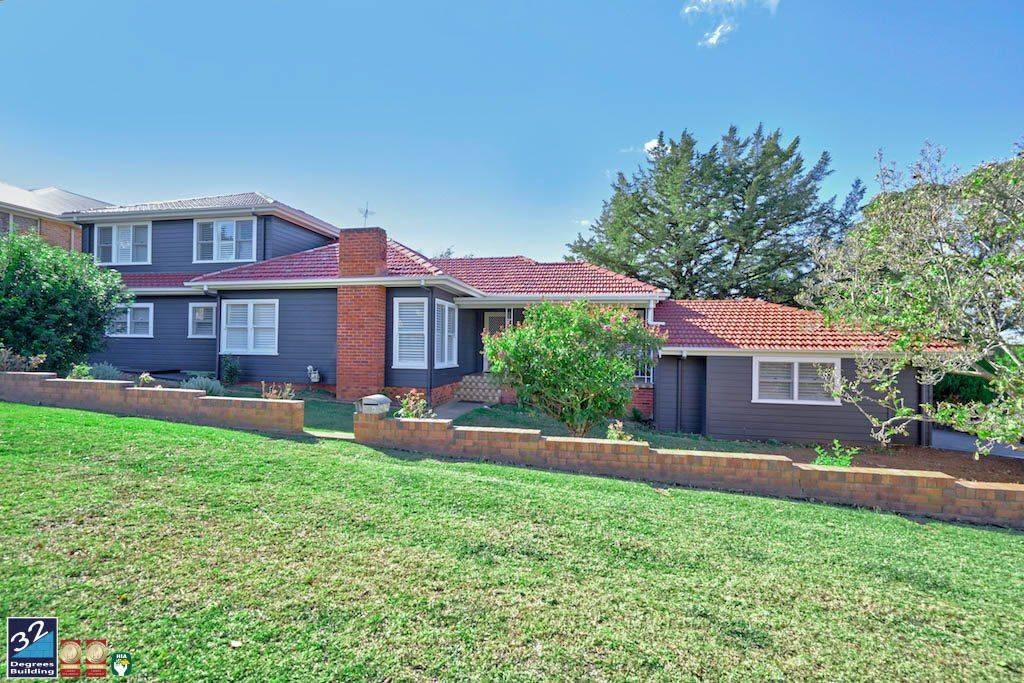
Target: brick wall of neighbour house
point(438, 395)
point(65, 235)
point(931, 494)
point(362, 323)
point(123, 398)
point(643, 400)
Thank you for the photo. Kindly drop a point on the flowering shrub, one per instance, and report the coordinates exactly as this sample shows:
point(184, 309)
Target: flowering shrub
point(12, 362)
point(574, 362)
point(414, 405)
point(277, 392)
point(617, 432)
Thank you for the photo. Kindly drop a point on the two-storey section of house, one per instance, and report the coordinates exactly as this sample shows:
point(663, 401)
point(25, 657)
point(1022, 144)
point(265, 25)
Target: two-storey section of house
point(159, 246)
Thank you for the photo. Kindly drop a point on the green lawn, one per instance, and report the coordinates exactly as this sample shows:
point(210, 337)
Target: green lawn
point(326, 560)
point(323, 413)
point(513, 416)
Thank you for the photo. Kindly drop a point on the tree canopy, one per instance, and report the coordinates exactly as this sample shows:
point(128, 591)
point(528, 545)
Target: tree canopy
point(735, 220)
point(54, 302)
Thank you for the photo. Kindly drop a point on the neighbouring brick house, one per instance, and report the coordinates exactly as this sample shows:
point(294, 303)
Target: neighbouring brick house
point(42, 211)
point(281, 290)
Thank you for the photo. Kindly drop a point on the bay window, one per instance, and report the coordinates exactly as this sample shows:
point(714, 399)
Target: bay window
point(796, 380)
point(446, 335)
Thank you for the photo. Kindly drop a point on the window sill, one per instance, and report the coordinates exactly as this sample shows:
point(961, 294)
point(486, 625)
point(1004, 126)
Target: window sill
point(203, 336)
point(446, 366)
point(244, 260)
point(115, 265)
point(246, 352)
point(130, 336)
point(796, 403)
point(409, 367)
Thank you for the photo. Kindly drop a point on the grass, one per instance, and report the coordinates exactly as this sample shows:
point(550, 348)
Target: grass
point(326, 560)
point(323, 414)
point(514, 416)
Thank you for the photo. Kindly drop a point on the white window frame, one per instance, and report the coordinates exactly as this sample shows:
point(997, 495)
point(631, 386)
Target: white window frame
point(422, 363)
point(795, 361)
point(195, 239)
point(113, 243)
point(128, 334)
point(201, 304)
point(450, 312)
point(249, 351)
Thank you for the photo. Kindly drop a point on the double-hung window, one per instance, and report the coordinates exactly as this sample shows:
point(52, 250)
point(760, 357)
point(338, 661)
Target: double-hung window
point(135, 320)
point(201, 317)
point(249, 327)
point(12, 222)
point(123, 244)
point(409, 337)
point(796, 380)
point(224, 240)
point(446, 335)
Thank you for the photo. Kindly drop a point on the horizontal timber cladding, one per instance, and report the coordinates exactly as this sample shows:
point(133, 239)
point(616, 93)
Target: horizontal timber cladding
point(932, 494)
point(679, 394)
point(170, 347)
point(468, 342)
point(306, 335)
point(730, 413)
point(123, 398)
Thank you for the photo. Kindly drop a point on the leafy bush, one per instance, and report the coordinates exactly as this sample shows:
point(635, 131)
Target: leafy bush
point(617, 432)
point(207, 384)
point(414, 405)
point(277, 392)
point(145, 380)
point(80, 371)
point(836, 454)
point(230, 370)
point(574, 362)
point(12, 362)
point(54, 302)
point(105, 371)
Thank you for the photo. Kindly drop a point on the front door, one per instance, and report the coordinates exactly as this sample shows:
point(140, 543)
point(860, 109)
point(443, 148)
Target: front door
point(493, 324)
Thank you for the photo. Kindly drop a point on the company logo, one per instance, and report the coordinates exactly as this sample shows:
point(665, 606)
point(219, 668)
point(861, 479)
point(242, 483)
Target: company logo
point(31, 647)
point(121, 663)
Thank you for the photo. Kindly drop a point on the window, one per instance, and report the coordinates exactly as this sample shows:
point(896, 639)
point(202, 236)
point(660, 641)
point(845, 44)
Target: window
point(132, 321)
point(121, 245)
point(796, 380)
point(224, 240)
point(249, 327)
point(446, 335)
point(409, 343)
point(201, 319)
point(10, 222)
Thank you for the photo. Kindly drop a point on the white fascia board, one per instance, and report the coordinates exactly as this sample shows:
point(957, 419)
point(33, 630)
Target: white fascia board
point(35, 213)
point(318, 283)
point(315, 225)
point(518, 300)
point(163, 291)
point(793, 353)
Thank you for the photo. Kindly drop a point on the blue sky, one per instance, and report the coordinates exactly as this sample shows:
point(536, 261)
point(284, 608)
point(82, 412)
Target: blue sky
point(491, 126)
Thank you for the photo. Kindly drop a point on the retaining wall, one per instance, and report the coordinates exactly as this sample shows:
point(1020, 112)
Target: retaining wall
point(931, 494)
point(124, 398)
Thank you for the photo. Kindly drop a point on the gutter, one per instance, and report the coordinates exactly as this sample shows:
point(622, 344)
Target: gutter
point(446, 282)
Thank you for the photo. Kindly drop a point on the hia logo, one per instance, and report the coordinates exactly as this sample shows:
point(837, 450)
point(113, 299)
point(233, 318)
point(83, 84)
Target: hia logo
point(31, 647)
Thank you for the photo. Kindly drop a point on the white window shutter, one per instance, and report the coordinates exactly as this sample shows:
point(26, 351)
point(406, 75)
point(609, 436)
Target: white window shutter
point(775, 380)
point(410, 333)
point(124, 244)
point(264, 327)
point(439, 355)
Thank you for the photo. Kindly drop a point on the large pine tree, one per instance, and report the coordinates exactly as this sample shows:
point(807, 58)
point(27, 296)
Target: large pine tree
point(736, 220)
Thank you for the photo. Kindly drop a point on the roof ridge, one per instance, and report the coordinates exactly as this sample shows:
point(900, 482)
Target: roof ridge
point(417, 257)
point(187, 199)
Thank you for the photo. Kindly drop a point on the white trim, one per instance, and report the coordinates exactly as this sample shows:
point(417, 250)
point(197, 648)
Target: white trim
point(795, 361)
point(195, 238)
point(496, 314)
point(128, 323)
point(113, 243)
point(162, 291)
point(521, 300)
point(445, 282)
point(201, 304)
point(421, 365)
point(450, 312)
point(721, 351)
point(248, 351)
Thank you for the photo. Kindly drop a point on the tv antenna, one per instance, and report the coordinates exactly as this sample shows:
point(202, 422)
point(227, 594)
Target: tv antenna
point(366, 213)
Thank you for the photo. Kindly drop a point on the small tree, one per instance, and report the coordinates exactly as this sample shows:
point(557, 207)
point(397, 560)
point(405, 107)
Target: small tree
point(938, 258)
point(575, 362)
point(54, 302)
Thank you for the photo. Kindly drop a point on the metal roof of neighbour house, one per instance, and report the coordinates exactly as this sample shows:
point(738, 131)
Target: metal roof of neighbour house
point(753, 324)
point(52, 201)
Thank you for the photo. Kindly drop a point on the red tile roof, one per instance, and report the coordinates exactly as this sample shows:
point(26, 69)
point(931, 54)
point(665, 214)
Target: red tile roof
point(521, 275)
point(755, 324)
point(134, 280)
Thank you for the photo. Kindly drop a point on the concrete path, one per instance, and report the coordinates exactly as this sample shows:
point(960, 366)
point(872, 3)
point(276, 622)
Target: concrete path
point(454, 409)
point(956, 441)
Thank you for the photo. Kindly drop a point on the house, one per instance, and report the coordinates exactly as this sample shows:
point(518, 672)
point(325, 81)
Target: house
point(249, 276)
point(42, 211)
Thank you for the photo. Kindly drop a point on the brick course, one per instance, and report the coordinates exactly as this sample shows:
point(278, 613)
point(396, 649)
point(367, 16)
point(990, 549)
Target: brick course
point(643, 400)
point(123, 398)
point(362, 314)
point(932, 494)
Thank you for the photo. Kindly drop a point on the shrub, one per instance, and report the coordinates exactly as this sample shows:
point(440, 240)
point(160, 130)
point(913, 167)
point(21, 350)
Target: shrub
point(207, 384)
point(277, 392)
point(144, 380)
point(638, 416)
point(617, 432)
point(105, 371)
point(836, 454)
point(12, 362)
point(574, 362)
point(80, 371)
point(230, 370)
point(414, 405)
point(54, 302)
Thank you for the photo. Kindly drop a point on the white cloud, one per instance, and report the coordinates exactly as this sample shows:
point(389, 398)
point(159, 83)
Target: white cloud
point(651, 145)
point(583, 223)
point(713, 38)
point(723, 13)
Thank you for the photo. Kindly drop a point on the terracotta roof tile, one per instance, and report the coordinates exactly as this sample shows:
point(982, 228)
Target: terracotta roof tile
point(521, 275)
point(134, 280)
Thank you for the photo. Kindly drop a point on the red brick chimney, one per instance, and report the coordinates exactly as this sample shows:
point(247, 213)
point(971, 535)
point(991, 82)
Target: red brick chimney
point(362, 314)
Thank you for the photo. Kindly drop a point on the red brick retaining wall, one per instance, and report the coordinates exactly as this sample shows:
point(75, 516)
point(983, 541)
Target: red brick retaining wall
point(123, 398)
point(931, 494)
point(438, 395)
